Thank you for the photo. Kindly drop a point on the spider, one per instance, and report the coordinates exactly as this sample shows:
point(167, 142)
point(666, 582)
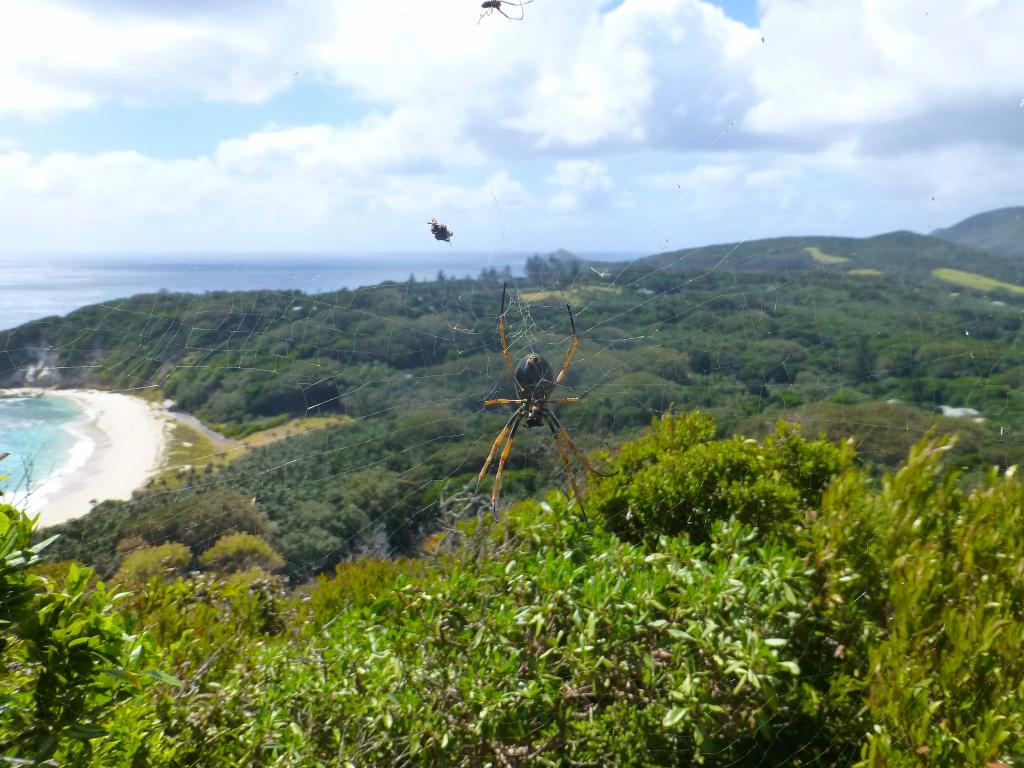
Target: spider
point(440, 231)
point(491, 6)
point(534, 381)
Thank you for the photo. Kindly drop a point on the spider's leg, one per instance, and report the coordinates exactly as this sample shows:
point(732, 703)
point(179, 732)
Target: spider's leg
point(519, 5)
point(579, 454)
point(568, 471)
point(504, 341)
point(501, 465)
point(572, 349)
point(567, 400)
point(497, 444)
point(503, 401)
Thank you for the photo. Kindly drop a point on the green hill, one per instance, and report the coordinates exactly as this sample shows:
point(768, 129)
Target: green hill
point(1000, 231)
point(410, 366)
point(750, 332)
point(898, 255)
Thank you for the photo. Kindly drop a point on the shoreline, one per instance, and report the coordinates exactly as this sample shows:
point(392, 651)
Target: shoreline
point(121, 442)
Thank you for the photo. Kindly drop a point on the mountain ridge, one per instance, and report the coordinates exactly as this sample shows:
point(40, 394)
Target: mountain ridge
point(900, 253)
point(999, 231)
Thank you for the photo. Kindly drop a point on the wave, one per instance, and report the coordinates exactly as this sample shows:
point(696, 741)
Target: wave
point(34, 499)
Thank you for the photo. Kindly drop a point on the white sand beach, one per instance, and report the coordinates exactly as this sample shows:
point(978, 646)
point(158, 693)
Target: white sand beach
point(122, 443)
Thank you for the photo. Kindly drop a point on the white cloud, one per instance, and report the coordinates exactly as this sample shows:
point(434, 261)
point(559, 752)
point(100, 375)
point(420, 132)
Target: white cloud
point(860, 62)
point(288, 189)
point(651, 72)
point(849, 116)
point(579, 184)
point(836, 190)
point(404, 141)
point(569, 76)
point(57, 56)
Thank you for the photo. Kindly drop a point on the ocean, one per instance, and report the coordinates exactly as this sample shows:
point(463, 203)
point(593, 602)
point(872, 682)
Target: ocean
point(42, 437)
point(43, 286)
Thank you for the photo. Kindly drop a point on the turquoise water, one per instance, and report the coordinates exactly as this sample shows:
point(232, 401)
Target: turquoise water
point(39, 434)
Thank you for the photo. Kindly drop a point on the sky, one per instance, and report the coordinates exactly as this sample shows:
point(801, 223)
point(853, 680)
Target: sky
point(334, 126)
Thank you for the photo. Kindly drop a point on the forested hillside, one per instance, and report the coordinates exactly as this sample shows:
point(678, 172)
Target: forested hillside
point(403, 368)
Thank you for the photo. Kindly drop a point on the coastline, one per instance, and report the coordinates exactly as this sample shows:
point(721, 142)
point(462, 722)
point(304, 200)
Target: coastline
point(121, 442)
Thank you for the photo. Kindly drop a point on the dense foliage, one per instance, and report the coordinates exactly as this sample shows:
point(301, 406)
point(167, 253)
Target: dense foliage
point(786, 611)
point(761, 600)
point(67, 651)
point(789, 328)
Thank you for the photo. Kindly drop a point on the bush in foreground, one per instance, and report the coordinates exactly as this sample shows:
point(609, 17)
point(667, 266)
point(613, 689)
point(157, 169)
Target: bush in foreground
point(556, 646)
point(680, 480)
point(777, 606)
point(68, 655)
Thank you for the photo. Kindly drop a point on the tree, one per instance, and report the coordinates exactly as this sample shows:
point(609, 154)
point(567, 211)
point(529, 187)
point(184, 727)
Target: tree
point(162, 561)
point(240, 552)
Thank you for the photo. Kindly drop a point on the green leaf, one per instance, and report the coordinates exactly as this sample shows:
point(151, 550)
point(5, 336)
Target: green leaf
point(163, 677)
point(47, 745)
point(673, 716)
point(44, 544)
point(85, 732)
point(790, 666)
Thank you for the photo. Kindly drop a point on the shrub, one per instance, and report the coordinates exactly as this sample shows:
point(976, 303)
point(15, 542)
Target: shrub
point(558, 648)
point(679, 480)
point(240, 552)
point(802, 614)
point(193, 517)
point(359, 583)
point(164, 561)
point(926, 579)
point(68, 655)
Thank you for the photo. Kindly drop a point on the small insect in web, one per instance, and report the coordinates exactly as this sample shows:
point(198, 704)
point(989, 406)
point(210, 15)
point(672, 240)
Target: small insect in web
point(534, 381)
point(440, 231)
point(490, 6)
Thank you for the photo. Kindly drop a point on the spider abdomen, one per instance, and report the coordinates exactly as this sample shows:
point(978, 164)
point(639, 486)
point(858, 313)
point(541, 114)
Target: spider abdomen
point(535, 377)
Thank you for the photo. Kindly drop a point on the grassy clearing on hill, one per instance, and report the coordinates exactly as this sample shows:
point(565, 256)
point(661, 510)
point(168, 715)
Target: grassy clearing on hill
point(824, 258)
point(187, 449)
point(294, 427)
point(975, 281)
point(573, 296)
